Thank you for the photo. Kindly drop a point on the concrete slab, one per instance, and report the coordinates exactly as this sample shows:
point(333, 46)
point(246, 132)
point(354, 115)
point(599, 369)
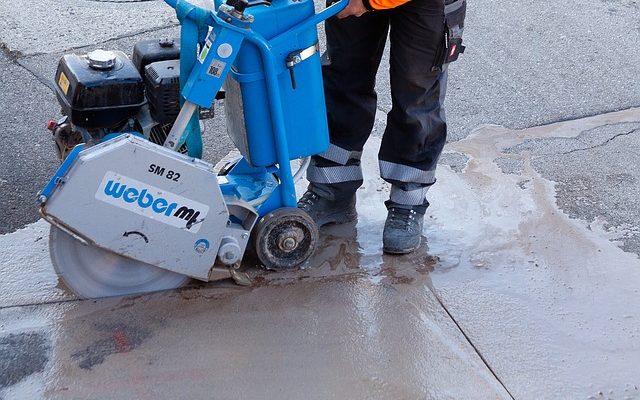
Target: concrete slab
point(26, 274)
point(322, 339)
point(526, 238)
point(549, 301)
point(354, 324)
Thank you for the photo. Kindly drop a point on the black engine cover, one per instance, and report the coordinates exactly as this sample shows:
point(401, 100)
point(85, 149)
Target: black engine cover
point(98, 98)
point(162, 80)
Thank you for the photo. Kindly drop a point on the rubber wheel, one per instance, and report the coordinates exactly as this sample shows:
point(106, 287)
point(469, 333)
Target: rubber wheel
point(285, 238)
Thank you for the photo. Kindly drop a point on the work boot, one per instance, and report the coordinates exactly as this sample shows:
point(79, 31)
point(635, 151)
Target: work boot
point(402, 230)
point(326, 212)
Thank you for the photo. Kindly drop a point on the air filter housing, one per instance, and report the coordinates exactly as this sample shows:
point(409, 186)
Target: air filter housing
point(162, 81)
point(149, 51)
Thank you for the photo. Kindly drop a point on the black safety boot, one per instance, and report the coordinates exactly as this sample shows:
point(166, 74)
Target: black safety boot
point(402, 230)
point(326, 212)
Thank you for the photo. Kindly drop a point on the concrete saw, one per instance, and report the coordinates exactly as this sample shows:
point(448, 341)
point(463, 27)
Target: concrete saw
point(131, 214)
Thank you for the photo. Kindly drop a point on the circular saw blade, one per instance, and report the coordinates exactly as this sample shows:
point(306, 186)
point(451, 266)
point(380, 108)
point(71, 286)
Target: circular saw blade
point(92, 272)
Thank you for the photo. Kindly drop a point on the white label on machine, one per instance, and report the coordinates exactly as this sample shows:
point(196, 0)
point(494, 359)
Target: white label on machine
point(216, 68)
point(151, 202)
point(225, 50)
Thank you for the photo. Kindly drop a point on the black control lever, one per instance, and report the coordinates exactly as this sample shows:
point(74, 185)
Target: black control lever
point(259, 3)
point(238, 5)
point(241, 5)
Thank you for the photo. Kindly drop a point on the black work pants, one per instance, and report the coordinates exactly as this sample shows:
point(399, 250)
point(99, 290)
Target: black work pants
point(416, 129)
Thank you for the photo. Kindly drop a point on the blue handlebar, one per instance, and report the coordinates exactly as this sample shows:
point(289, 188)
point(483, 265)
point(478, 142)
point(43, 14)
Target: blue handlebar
point(184, 8)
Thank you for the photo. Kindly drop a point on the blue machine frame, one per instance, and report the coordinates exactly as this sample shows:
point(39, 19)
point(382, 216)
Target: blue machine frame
point(248, 182)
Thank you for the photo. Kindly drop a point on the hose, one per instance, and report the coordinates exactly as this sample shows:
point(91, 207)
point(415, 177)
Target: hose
point(303, 168)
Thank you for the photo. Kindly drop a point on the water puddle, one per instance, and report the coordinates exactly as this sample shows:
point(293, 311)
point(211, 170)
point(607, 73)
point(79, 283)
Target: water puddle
point(530, 286)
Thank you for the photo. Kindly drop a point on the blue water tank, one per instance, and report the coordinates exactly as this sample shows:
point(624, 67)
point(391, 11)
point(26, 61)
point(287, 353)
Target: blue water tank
point(247, 103)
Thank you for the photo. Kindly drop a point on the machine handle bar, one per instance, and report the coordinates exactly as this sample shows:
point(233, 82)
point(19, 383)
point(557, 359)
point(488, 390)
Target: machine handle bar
point(333, 9)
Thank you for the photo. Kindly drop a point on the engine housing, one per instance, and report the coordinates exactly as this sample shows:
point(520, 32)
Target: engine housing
point(99, 90)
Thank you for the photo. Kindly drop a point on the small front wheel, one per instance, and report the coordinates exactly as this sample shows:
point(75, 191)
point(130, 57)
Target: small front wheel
point(285, 238)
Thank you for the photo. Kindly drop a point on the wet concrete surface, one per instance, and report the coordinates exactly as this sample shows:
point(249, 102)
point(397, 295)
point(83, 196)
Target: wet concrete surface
point(21, 355)
point(354, 323)
point(550, 301)
point(335, 338)
point(609, 197)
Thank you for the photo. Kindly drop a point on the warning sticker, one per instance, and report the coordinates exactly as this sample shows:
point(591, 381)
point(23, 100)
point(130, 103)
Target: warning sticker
point(216, 68)
point(205, 51)
point(63, 82)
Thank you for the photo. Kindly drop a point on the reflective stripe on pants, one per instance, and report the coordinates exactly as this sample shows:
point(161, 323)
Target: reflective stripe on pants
point(338, 174)
point(414, 197)
point(402, 173)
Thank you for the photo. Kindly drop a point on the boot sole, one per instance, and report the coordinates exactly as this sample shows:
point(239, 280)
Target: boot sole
point(401, 251)
point(398, 251)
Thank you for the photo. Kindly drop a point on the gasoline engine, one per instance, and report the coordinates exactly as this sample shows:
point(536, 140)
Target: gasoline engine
point(106, 92)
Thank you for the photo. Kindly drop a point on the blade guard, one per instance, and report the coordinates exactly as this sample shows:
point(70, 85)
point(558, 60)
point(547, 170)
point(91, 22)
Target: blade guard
point(143, 201)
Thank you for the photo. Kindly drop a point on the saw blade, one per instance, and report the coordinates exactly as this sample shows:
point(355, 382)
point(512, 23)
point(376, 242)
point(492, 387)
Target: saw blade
point(92, 272)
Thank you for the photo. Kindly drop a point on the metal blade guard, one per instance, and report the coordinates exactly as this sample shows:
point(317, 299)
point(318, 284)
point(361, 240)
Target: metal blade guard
point(151, 204)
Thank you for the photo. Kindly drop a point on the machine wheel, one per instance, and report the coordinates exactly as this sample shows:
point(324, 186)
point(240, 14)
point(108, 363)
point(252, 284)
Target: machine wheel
point(92, 272)
point(285, 238)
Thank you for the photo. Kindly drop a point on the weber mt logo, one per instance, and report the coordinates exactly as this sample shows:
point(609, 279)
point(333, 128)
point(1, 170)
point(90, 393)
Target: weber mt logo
point(151, 202)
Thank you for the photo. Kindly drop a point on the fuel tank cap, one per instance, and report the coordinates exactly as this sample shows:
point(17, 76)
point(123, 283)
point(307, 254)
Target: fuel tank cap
point(101, 59)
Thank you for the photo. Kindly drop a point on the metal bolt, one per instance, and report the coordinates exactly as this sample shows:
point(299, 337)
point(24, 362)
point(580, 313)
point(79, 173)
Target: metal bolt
point(289, 244)
point(245, 235)
point(229, 255)
point(42, 199)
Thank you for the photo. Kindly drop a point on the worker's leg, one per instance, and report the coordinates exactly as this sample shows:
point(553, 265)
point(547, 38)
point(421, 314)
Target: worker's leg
point(416, 128)
point(354, 48)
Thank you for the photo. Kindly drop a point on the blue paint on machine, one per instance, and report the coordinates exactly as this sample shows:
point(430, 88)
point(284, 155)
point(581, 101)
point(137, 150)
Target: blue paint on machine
point(144, 199)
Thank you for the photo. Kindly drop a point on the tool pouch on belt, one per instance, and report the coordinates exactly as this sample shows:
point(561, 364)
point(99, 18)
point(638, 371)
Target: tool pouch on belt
point(455, 12)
